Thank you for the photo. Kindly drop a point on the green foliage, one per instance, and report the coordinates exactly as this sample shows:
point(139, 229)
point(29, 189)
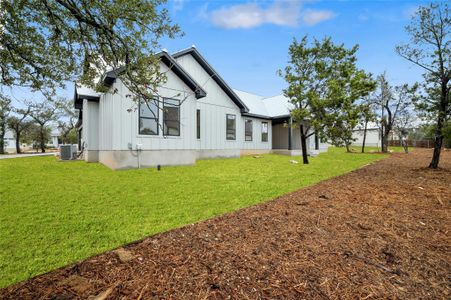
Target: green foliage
point(67, 121)
point(44, 43)
point(36, 135)
point(55, 213)
point(324, 85)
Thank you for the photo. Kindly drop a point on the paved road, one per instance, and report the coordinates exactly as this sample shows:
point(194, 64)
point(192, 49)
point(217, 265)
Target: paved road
point(26, 155)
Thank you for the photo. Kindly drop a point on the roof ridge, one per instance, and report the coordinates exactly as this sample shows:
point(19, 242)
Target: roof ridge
point(263, 97)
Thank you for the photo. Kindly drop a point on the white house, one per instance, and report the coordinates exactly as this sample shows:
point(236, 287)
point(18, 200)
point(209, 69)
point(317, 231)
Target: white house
point(9, 142)
point(373, 136)
point(197, 115)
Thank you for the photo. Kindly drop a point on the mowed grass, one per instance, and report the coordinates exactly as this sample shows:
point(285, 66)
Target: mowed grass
point(55, 213)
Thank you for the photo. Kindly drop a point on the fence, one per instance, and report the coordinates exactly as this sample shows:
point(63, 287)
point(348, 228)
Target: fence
point(413, 143)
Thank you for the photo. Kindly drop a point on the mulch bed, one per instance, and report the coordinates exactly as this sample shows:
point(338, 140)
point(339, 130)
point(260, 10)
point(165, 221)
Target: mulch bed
point(378, 232)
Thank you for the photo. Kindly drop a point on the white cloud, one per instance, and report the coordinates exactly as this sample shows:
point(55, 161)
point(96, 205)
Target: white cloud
point(178, 5)
point(250, 15)
point(313, 17)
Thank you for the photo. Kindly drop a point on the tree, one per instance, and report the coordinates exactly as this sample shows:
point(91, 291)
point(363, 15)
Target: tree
point(5, 110)
point(393, 102)
point(67, 122)
point(430, 49)
point(404, 123)
point(324, 84)
point(36, 136)
point(44, 43)
point(43, 113)
point(18, 124)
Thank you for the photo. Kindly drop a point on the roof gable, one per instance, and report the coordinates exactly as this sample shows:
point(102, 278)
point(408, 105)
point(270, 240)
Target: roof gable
point(214, 75)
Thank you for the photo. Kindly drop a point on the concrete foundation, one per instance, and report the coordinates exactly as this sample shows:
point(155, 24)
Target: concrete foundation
point(91, 155)
point(132, 159)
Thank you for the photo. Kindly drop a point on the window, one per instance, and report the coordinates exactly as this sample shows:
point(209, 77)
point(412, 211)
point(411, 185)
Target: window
point(248, 130)
point(171, 117)
point(198, 124)
point(264, 131)
point(231, 127)
point(148, 117)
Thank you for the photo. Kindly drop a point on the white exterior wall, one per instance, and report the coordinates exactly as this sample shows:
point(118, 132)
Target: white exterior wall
point(90, 132)
point(214, 108)
point(372, 137)
point(9, 142)
point(119, 127)
point(116, 118)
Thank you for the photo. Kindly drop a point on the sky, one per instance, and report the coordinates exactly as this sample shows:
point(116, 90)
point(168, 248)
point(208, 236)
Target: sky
point(247, 41)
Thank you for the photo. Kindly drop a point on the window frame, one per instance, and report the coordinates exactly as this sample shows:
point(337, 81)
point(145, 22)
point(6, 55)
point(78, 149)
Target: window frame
point(267, 132)
point(157, 118)
point(198, 124)
point(234, 127)
point(179, 116)
point(246, 121)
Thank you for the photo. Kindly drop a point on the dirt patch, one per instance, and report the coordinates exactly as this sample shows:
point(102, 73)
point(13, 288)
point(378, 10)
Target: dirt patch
point(378, 232)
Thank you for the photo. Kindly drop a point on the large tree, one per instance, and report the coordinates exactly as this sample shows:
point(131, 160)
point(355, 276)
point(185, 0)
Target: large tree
point(42, 114)
point(324, 85)
point(5, 110)
point(18, 123)
point(44, 43)
point(430, 48)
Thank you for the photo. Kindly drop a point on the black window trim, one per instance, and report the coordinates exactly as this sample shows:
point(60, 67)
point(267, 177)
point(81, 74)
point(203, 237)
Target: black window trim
point(157, 118)
point(234, 134)
point(164, 120)
point(267, 132)
point(252, 130)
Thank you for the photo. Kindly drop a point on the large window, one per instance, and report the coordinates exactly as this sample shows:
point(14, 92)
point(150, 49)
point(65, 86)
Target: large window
point(248, 130)
point(148, 117)
point(264, 131)
point(198, 124)
point(231, 127)
point(171, 117)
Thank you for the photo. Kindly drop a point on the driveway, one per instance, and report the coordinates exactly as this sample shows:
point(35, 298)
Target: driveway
point(6, 156)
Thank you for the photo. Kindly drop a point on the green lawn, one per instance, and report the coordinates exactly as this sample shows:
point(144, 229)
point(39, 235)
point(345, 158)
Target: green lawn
point(55, 213)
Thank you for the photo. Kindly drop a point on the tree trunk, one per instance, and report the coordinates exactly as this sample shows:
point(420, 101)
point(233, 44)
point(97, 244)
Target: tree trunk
point(42, 142)
point(303, 144)
point(2, 139)
point(347, 148)
point(387, 130)
point(439, 129)
point(18, 142)
point(364, 136)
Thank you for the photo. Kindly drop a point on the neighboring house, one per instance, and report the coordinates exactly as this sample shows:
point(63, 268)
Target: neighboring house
point(10, 142)
point(373, 136)
point(54, 140)
point(199, 116)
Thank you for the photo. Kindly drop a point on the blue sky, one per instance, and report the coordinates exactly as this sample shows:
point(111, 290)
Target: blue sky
point(247, 41)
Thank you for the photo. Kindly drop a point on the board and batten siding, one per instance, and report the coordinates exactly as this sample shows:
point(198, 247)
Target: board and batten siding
point(119, 117)
point(118, 126)
point(214, 108)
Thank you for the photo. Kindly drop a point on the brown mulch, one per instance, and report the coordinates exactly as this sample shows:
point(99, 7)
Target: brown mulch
point(378, 232)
